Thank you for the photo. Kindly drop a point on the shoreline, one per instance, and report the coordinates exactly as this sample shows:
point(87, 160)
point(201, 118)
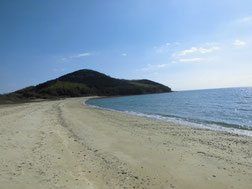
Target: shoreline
point(64, 144)
point(208, 126)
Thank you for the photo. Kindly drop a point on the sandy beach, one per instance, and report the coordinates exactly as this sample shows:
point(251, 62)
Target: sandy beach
point(65, 144)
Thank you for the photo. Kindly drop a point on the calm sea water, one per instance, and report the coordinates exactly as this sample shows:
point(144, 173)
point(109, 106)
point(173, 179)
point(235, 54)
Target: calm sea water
point(219, 109)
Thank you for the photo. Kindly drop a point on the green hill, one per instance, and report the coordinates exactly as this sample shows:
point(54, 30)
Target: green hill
point(87, 83)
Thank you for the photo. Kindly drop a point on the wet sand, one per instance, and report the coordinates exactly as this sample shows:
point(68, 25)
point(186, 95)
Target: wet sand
point(64, 144)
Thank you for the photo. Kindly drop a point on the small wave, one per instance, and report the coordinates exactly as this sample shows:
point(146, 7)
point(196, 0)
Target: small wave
point(247, 96)
point(211, 125)
point(245, 110)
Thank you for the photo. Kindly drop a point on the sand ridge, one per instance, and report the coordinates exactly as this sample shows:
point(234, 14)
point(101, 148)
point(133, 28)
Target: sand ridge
point(64, 144)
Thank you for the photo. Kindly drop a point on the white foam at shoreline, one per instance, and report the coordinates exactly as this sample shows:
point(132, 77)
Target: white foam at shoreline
point(214, 127)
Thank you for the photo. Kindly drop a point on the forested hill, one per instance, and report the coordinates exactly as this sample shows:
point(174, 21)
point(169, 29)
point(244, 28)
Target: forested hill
point(88, 83)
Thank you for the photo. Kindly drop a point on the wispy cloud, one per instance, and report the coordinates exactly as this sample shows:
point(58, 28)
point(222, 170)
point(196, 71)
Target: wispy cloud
point(239, 43)
point(162, 65)
point(190, 59)
point(201, 50)
point(188, 51)
point(176, 57)
point(155, 67)
point(63, 59)
point(124, 54)
point(74, 56)
point(243, 20)
point(164, 47)
point(208, 50)
point(82, 55)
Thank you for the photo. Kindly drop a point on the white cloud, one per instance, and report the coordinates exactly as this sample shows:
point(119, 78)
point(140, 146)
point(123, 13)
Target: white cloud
point(124, 54)
point(239, 43)
point(201, 50)
point(188, 51)
point(209, 50)
point(190, 59)
point(83, 54)
point(66, 59)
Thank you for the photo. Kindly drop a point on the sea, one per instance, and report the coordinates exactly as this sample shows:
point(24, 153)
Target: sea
point(227, 109)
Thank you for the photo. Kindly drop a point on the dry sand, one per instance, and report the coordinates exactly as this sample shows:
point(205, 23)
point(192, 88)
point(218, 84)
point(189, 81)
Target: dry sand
point(64, 144)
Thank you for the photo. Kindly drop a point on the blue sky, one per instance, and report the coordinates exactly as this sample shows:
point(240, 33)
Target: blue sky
point(187, 44)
